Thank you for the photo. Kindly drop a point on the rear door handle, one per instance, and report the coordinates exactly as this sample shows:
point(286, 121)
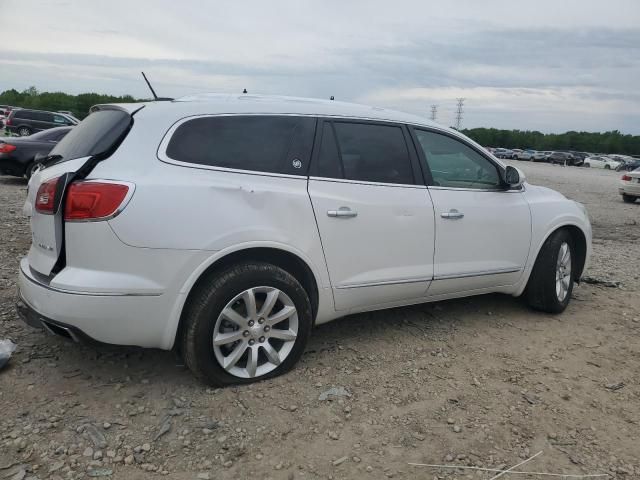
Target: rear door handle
point(452, 214)
point(343, 212)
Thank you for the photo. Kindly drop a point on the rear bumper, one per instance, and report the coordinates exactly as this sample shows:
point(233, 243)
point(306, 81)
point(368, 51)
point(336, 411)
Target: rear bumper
point(119, 319)
point(631, 189)
point(35, 320)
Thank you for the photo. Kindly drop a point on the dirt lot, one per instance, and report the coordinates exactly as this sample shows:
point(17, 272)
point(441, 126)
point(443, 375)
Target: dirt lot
point(481, 382)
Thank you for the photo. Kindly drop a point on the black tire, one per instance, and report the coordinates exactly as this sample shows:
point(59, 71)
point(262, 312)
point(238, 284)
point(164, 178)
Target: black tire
point(587, 165)
point(628, 198)
point(212, 296)
point(541, 289)
point(24, 131)
point(607, 167)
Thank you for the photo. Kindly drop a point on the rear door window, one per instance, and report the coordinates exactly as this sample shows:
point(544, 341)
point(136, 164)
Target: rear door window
point(374, 153)
point(263, 143)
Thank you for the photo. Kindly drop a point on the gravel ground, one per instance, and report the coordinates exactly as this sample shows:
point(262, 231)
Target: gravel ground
point(481, 382)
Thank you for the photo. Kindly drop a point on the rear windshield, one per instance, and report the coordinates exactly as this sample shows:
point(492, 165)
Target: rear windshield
point(95, 134)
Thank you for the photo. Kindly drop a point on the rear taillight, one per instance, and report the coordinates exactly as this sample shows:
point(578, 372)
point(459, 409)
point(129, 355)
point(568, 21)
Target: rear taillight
point(44, 198)
point(94, 200)
point(7, 148)
point(626, 178)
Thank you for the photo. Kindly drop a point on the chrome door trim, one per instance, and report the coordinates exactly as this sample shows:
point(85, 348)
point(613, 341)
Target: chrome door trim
point(386, 282)
point(483, 273)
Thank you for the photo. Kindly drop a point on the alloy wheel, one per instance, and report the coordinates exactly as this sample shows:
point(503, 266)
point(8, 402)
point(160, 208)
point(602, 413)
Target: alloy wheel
point(563, 272)
point(255, 332)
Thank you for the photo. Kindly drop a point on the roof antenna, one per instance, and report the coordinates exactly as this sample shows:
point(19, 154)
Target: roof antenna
point(332, 98)
point(155, 97)
point(244, 91)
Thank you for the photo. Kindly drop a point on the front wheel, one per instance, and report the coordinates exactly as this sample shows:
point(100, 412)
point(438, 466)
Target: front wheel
point(607, 167)
point(247, 323)
point(24, 131)
point(551, 281)
point(628, 198)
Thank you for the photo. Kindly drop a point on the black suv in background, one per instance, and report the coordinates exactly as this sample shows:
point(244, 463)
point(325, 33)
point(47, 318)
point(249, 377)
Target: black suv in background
point(25, 121)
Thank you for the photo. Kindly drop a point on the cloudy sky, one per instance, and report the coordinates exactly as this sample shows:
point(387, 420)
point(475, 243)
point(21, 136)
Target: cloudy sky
point(551, 65)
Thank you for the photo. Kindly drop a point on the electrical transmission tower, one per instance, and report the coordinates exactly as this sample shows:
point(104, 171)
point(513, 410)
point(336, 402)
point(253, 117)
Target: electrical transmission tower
point(459, 113)
point(434, 112)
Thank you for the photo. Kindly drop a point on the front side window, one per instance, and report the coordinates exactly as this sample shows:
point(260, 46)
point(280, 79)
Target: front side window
point(274, 144)
point(456, 165)
point(60, 120)
point(373, 153)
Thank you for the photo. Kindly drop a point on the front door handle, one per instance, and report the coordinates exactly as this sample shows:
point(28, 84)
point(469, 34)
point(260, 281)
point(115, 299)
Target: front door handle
point(452, 214)
point(343, 212)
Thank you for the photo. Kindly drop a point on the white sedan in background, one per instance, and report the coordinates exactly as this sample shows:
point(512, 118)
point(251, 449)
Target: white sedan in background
point(630, 186)
point(601, 161)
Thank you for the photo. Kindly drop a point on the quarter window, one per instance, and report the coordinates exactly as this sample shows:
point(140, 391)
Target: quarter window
point(456, 165)
point(373, 153)
point(275, 144)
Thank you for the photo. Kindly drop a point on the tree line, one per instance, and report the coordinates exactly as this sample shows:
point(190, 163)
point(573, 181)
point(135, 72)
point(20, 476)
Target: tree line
point(58, 101)
point(594, 142)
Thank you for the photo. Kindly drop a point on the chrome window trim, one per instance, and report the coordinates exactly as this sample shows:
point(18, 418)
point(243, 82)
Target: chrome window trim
point(464, 189)
point(161, 152)
point(364, 182)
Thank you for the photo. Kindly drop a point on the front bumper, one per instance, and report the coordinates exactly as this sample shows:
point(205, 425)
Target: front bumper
point(119, 319)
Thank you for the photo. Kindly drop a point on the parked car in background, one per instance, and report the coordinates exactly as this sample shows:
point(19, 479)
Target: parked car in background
point(515, 152)
point(539, 156)
point(629, 164)
point(560, 158)
point(17, 154)
point(630, 186)
point(503, 153)
point(300, 235)
point(26, 121)
point(525, 154)
point(602, 162)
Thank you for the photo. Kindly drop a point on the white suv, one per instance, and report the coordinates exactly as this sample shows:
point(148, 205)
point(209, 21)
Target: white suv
point(225, 227)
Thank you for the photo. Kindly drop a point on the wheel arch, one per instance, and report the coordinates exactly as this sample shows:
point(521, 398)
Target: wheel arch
point(283, 258)
point(580, 244)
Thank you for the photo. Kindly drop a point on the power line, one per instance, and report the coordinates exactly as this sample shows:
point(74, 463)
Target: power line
point(434, 112)
point(459, 113)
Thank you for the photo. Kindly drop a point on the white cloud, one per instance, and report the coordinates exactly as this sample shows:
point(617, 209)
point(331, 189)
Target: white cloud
point(549, 65)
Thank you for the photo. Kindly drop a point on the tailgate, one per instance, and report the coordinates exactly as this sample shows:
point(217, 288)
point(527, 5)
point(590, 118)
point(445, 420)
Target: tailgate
point(46, 229)
point(93, 140)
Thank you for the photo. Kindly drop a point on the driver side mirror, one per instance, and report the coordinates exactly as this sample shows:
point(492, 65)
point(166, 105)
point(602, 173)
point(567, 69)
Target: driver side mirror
point(513, 177)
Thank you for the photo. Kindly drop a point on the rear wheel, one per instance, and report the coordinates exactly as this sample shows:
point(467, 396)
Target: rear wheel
point(24, 131)
point(628, 198)
point(607, 167)
point(551, 281)
point(247, 323)
point(587, 165)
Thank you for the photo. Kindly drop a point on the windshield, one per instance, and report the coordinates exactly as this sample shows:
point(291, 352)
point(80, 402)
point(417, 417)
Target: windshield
point(95, 134)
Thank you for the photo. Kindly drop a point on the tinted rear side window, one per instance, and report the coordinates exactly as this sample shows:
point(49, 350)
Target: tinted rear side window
point(374, 153)
point(274, 144)
point(95, 134)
